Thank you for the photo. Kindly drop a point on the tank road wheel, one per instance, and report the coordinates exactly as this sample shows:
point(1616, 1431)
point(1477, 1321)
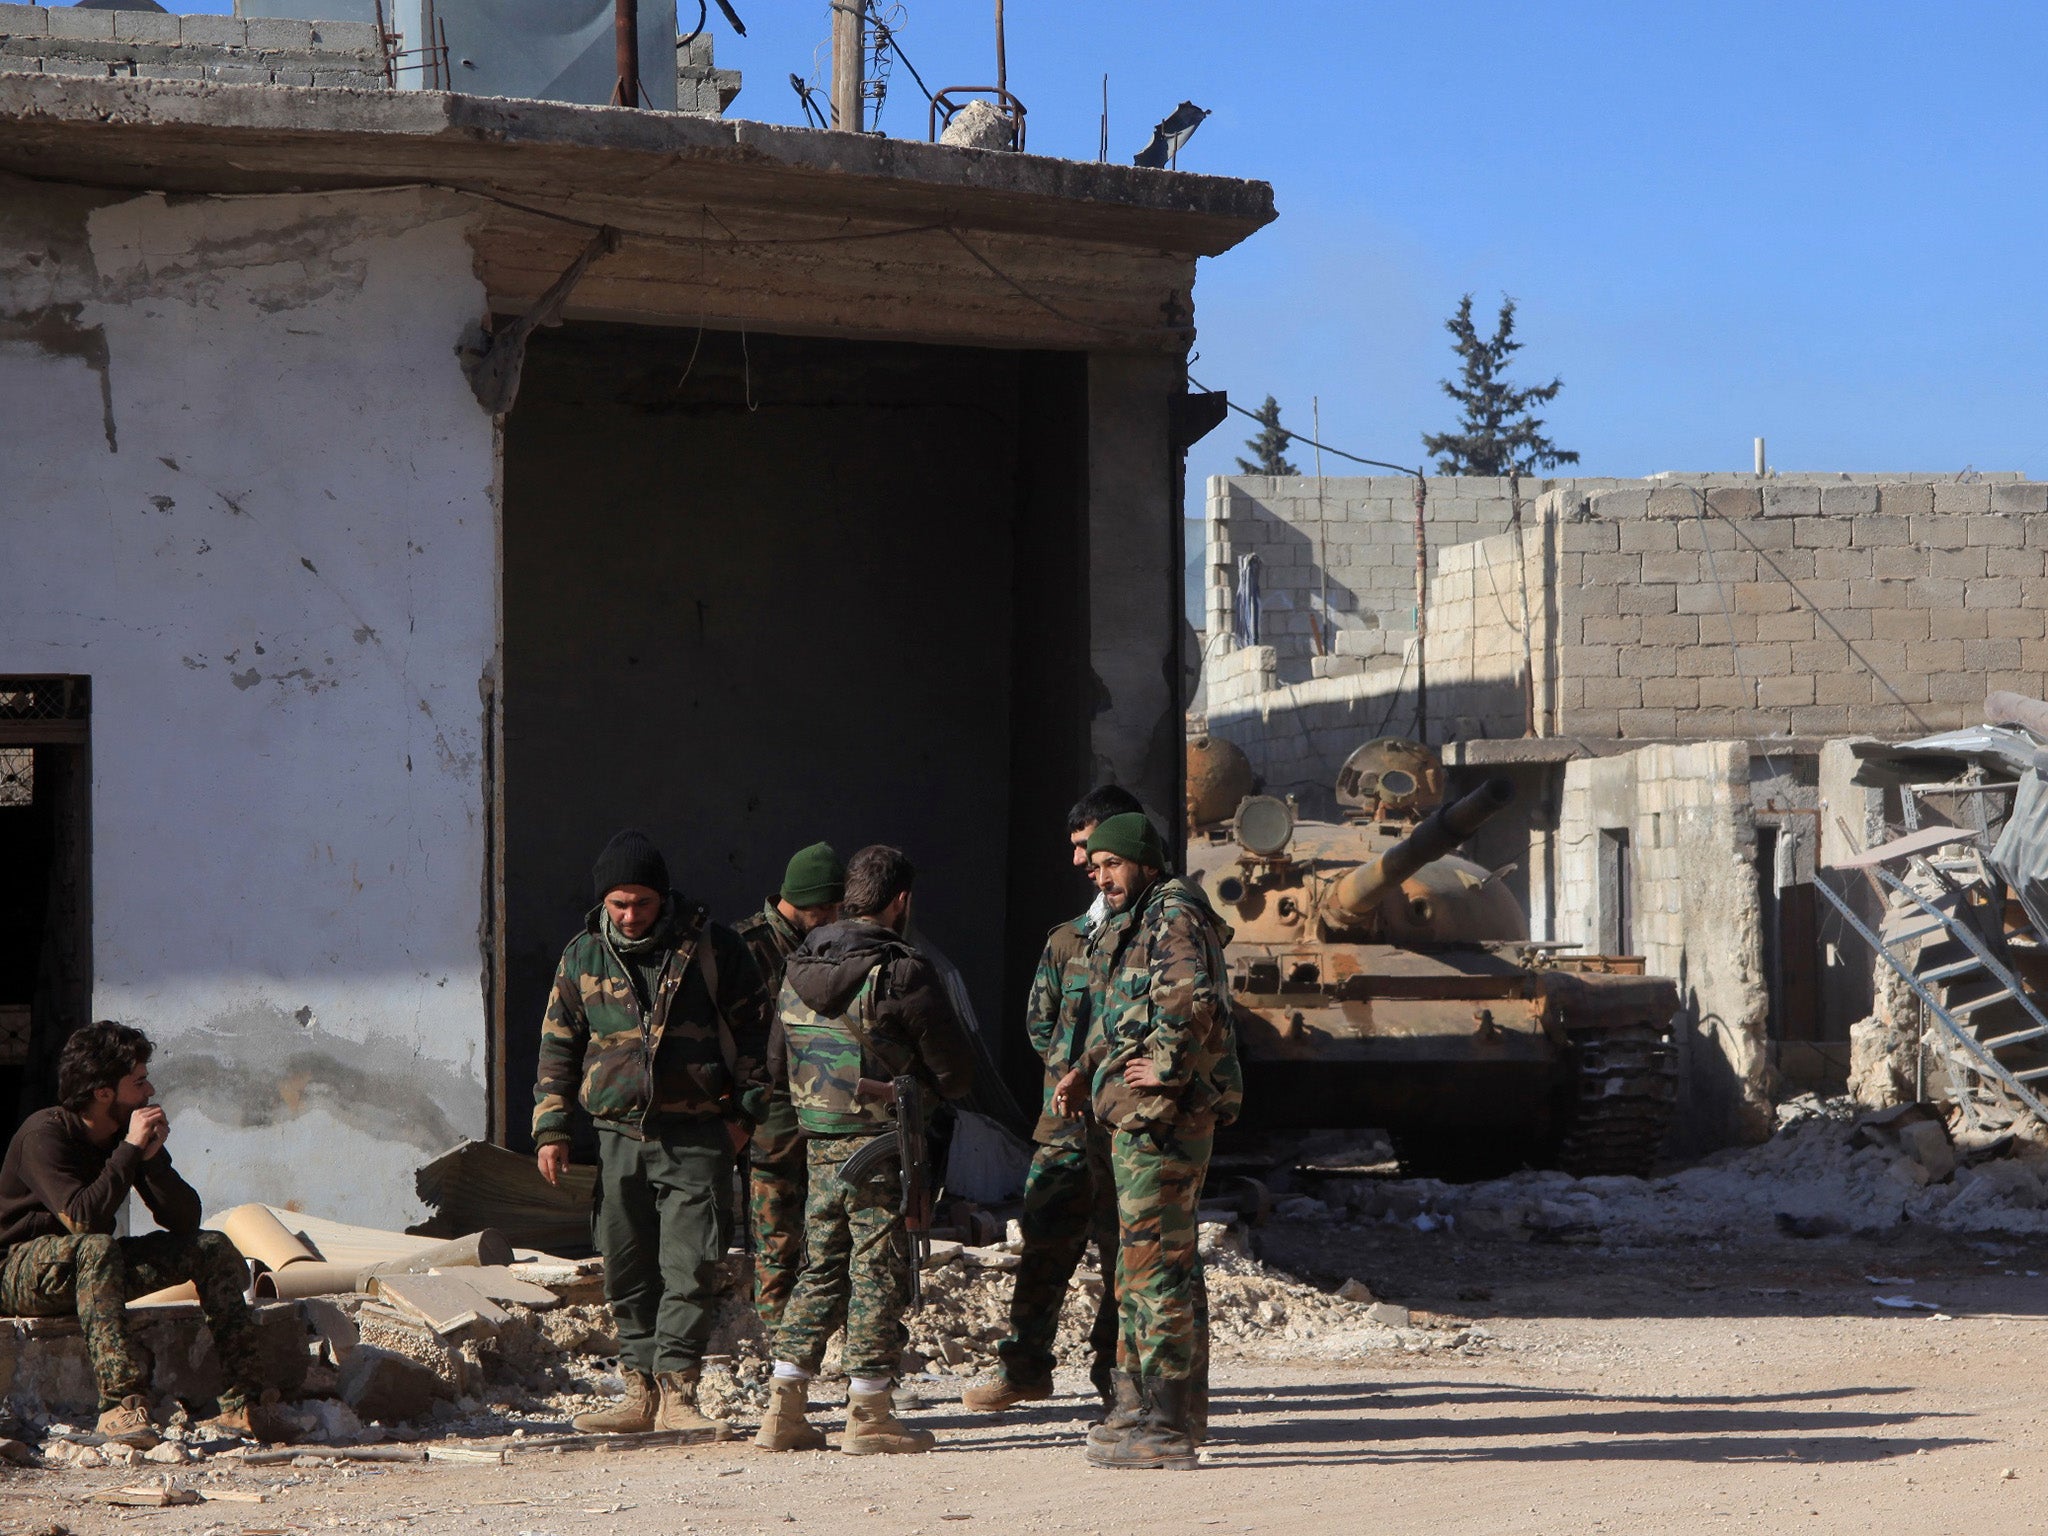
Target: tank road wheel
point(1624, 1095)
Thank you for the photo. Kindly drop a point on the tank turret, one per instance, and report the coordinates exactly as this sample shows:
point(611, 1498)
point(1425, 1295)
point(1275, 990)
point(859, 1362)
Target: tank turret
point(1353, 905)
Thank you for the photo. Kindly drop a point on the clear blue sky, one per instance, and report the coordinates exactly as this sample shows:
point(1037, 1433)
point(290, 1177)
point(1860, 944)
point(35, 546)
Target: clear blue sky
point(1818, 222)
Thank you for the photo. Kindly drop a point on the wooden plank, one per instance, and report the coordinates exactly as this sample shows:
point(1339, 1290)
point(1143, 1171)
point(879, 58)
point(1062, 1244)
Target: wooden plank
point(1926, 840)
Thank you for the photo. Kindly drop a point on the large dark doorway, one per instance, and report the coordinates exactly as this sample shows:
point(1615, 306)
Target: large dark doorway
point(763, 590)
point(45, 925)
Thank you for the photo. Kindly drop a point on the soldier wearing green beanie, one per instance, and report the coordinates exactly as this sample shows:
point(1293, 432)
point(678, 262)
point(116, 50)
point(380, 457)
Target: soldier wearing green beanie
point(777, 1185)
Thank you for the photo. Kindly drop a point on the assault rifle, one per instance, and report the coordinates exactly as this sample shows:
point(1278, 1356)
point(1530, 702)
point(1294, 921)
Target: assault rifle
point(907, 1147)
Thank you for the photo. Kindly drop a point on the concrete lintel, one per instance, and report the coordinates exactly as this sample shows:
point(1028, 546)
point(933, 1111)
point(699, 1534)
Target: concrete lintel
point(181, 136)
point(1561, 749)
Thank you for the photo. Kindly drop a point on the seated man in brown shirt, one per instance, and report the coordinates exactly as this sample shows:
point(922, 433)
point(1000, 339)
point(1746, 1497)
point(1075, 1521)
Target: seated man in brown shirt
point(66, 1175)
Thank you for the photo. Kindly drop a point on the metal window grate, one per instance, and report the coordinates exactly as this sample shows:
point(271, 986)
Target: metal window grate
point(43, 698)
point(17, 776)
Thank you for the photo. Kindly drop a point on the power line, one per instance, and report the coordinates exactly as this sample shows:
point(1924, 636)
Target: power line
point(1402, 469)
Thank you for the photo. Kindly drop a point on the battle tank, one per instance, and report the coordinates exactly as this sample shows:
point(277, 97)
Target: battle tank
point(1381, 980)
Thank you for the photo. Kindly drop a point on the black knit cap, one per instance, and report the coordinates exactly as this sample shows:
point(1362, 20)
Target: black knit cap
point(630, 858)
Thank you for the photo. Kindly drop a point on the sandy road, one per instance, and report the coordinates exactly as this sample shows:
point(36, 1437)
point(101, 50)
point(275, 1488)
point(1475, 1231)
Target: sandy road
point(1680, 1390)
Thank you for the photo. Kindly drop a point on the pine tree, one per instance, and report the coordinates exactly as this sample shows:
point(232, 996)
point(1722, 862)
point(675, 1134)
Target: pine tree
point(1498, 431)
point(1270, 446)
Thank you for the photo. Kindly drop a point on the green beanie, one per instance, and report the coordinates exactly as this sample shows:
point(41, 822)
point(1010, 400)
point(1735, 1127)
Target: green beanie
point(815, 877)
point(1128, 835)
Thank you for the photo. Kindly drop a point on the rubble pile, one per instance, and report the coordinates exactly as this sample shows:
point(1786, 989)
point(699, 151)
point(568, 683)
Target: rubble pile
point(1829, 1171)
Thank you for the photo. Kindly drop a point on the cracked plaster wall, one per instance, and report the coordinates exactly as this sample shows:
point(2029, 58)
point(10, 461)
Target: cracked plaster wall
point(244, 487)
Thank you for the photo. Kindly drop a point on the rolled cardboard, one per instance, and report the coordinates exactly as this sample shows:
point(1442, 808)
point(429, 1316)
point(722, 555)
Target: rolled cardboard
point(258, 1234)
point(309, 1279)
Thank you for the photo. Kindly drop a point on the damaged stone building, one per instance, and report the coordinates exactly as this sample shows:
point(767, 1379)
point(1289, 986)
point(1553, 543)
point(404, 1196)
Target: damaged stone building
point(1673, 672)
point(346, 618)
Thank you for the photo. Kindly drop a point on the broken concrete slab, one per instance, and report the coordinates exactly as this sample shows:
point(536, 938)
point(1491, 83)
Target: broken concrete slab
point(383, 1385)
point(43, 1363)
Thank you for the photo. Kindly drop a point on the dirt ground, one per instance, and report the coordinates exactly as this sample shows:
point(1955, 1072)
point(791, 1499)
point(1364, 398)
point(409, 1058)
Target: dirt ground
point(1627, 1390)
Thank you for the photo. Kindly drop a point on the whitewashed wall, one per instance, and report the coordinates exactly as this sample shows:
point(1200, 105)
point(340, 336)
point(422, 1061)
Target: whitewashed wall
point(244, 487)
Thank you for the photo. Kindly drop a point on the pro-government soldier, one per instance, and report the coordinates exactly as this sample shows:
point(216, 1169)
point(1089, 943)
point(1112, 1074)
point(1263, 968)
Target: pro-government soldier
point(860, 1007)
point(68, 1172)
point(658, 1025)
point(1162, 1072)
point(809, 898)
point(1069, 1195)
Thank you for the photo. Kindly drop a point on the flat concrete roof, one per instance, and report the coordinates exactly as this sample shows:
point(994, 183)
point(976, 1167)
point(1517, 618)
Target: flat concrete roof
point(1511, 751)
point(611, 164)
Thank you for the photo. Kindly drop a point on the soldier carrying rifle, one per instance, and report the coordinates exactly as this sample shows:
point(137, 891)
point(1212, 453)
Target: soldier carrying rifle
point(860, 1009)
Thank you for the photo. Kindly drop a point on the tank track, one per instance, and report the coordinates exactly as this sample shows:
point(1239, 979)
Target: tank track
point(1624, 1097)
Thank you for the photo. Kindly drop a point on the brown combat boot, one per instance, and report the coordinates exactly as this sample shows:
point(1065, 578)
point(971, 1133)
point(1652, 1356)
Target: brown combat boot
point(993, 1391)
point(783, 1426)
point(872, 1428)
point(679, 1411)
point(128, 1423)
point(1126, 1408)
point(250, 1420)
point(1160, 1441)
point(631, 1415)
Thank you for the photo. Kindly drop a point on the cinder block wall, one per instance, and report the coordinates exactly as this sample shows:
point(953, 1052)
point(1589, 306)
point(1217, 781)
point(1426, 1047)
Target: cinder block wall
point(63, 40)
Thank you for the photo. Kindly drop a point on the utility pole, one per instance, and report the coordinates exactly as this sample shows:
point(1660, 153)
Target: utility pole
point(849, 53)
point(626, 44)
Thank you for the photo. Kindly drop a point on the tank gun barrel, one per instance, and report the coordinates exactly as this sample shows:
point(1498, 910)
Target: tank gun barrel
point(1352, 903)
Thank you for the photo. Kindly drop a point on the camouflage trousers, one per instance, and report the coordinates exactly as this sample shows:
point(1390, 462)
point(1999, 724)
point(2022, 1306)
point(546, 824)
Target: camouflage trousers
point(662, 1216)
point(856, 1267)
point(1164, 1303)
point(95, 1276)
point(1069, 1197)
point(775, 1213)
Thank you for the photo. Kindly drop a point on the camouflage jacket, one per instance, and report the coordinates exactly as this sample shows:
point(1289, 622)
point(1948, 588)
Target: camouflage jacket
point(682, 1057)
point(771, 938)
point(1158, 987)
point(1056, 1018)
point(857, 1001)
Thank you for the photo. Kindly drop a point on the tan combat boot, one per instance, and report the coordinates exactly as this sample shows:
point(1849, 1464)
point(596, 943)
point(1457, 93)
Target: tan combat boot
point(128, 1423)
point(994, 1391)
point(632, 1415)
point(872, 1428)
point(679, 1411)
point(251, 1420)
point(783, 1426)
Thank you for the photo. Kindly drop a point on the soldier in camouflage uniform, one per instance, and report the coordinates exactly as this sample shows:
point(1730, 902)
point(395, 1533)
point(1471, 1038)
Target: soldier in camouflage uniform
point(658, 1026)
point(66, 1175)
point(1069, 1195)
point(860, 1007)
point(776, 1184)
point(1162, 1072)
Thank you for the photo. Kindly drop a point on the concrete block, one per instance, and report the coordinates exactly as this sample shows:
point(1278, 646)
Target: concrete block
point(1674, 629)
point(1585, 601)
point(1721, 689)
point(214, 31)
point(1703, 598)
point(1940, 531)
point(1825, 593)
point(1645, 661)
point(1589, 660)
point(1934, 656)
point(24, 21)
point(1344, 666)
point(1958, 624)
point(1785, 565)
point(2017, 624)
point(1848, 500)
point(1648, 537)
point(69, 21)
point(1767, 658)
point(1891, 657)
point(1671, 693)
point(1823, 720)
point(1588, 722)
point(347, 37)
point(1783, 692)
point(1610, 570)
point(1674, 566)
point(1610, 630)
point(55, 66)
point(1738, 502)
point(1673, 501)
point(1628, 501)
point(1953, 496)
point(1993, 592)
point(1993, 530)
point(44, 1361)
point(1763, 597)
point(1957, 564)
point(1853, 622)
point(1880, 529)
point(1612, 693)
point(1821, 533)
point(175, 72)
point(2022, 497)
point(1847, 685)
point(1966, 688)
point(1905, 500)
point(1898, 562)
point(1644, 599)
point(1791, 625)
point(277, 32)
point(1991, 655)
point(1842, 564)
point(238, 74)
point(146, 26)
point(1646, 724)
point(1823, 653)
point(2013, 562)
point(1791, 500)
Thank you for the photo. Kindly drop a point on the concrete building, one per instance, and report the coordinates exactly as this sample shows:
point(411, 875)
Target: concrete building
point(345, 620)
point(1671, 670)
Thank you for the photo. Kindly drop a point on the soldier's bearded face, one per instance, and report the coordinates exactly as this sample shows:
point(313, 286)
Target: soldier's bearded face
point(1120, 881)
point(633, 908)
point(807, 918)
